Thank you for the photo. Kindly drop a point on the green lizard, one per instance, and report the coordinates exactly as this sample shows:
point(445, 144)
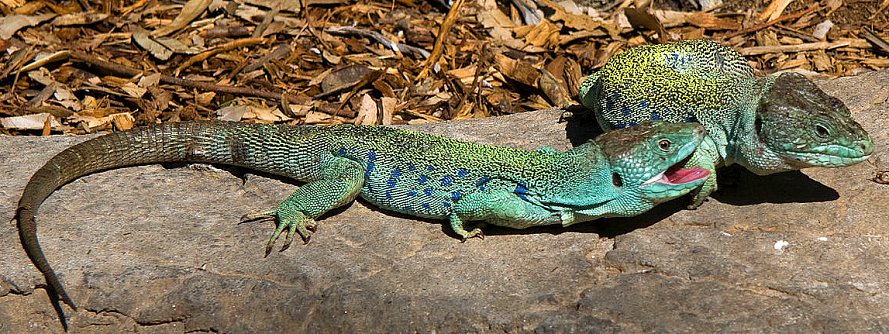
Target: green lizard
point(766, 124)
point(622, 173)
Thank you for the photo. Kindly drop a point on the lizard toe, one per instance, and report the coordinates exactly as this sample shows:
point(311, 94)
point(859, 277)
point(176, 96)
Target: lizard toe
point(257, 217)
point(475, 233)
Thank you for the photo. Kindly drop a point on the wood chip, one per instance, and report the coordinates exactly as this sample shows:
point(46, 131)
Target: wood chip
point(519, 71)
point(10, 24)
point(774, 10)
point(758, 50)
point(191, 10)
point(27, 122)
point(367, 111)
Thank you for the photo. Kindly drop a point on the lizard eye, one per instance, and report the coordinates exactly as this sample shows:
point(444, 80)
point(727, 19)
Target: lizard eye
point(821, 131)
point(617, 180)
point(757, 125)
point(664, 144)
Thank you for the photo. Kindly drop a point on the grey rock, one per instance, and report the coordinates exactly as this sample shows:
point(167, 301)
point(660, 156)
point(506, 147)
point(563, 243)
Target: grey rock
point(157, 249)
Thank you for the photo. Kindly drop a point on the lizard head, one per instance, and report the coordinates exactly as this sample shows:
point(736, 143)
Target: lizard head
point(647, 165)
point(800, 126)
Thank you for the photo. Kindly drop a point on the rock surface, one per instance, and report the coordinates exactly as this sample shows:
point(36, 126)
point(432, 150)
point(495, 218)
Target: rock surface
point(155, 250)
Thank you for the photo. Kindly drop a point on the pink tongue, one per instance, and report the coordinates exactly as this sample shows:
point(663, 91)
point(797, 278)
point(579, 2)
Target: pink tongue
point(684, 175)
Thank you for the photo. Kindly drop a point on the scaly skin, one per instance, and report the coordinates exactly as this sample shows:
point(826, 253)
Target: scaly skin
point(622, 173)
point(766, 124)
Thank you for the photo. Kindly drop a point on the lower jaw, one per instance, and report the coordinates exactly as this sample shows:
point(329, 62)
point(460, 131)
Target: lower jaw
point(824, 161)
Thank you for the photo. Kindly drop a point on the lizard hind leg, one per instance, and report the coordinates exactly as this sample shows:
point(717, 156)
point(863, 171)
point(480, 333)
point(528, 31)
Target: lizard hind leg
point(340, 183)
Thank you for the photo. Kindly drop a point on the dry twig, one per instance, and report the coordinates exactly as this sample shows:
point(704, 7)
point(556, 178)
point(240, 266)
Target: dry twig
point(438, 49)
point(761, 26)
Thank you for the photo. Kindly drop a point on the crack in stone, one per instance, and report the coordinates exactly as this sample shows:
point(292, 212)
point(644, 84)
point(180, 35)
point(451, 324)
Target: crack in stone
point(106, 311)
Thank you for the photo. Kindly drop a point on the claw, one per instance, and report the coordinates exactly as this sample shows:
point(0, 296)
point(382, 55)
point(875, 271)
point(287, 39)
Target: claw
point(697, 200)
point(275, 235)
point(294, 224)
point(291, 231)
point(475, 233)
point(694, 206)
point(257, 216)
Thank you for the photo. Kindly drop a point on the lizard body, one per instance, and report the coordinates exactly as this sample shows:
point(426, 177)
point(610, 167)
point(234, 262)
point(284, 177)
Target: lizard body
point(766, 124)
point(622, 173)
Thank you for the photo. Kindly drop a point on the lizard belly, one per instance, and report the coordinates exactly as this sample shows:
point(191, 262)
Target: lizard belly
point(422, 202)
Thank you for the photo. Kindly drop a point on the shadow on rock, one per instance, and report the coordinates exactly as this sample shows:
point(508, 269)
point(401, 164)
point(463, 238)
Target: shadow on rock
point(747, 188)
point(241, 173)
point(613, 227)
point(582, 125)
point(606, 227)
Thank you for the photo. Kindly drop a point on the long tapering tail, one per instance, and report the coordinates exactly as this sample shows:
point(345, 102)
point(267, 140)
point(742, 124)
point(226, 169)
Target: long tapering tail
point(210, 142)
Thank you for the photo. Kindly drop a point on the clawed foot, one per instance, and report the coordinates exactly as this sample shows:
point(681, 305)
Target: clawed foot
point(457, 227)
point(695, 204)
point(297, 223)
point(703, 193)
point(698, 198)
point(475, 233)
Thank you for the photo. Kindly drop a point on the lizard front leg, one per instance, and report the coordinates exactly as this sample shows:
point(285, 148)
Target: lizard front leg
point(706, 157)
point(501, 208)
point(341, 181)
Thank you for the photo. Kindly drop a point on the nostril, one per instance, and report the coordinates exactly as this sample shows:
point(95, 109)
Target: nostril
point(867, 147)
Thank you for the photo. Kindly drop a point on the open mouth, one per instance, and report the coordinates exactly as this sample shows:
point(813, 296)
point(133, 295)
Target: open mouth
point(679, 175)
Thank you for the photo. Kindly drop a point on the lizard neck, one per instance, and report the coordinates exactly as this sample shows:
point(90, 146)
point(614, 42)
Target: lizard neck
point(747, 148)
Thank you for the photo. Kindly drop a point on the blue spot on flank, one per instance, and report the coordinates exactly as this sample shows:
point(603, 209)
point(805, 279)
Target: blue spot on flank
point(341, 151)
point(456, 195)
point(655, 116)
point(462, 172)
point(423, 179)
point(609, 104)
point(446, 204)
point(619, 125)
point(521, 189)
point(389, 194)
point(481, 182)
point(644, 104)
point(369, 169)
point(632, 124)
point(447, 180)
point(425, 206)
point(626, 111)
point(430, 168)
point(412, 193)
point(411, 167)
point(371, 155)
point(428, 191)
point(672, 61)
point(396, 173)
point(690, 119)
point(391, 183)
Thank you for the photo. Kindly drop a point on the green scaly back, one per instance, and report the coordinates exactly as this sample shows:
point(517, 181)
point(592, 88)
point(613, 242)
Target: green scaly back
point(766, 124)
